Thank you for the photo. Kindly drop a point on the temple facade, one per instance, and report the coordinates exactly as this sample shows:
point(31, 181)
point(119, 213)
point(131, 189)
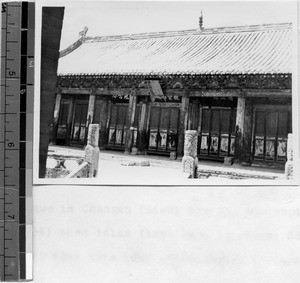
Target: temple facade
point(233, 85)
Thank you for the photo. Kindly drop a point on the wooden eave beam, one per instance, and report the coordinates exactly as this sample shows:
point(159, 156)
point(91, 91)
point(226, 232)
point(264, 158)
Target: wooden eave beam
point(215, 93)
point(104, 91)
point(268, 93)
point(180, 92)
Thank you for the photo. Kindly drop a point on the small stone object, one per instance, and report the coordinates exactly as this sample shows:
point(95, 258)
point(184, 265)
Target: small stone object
point(173, 155)
point(128, 163)
point(145, 163)
point(289, 154)
point(134, 151)
point(228, 161)
point(127, 151)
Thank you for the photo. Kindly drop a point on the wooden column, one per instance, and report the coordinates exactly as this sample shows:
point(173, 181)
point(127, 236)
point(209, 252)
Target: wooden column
point(70, 121)
point(183, 122)
point(243, 131)
point(130, 121)
point(190, 117)
point(200, 112)
point(142, 130)
point(55, 118)
point(193, 116)
point(103, 121)
point(90, 113)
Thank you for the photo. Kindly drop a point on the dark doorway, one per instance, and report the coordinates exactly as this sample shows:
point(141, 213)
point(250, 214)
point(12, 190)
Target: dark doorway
point(163, 128)
point(271, 127)
point(79, 123)
point(62, 127)
point(117, 125)
point(217, 132)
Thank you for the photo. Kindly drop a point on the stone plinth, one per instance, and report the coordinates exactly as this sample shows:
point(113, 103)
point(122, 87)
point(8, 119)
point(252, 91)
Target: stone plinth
point(190, 160)
point(289, 154)
point(92, 150)
point(189, 166)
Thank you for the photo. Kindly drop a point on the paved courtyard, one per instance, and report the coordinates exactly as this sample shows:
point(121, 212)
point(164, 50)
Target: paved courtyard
point(117, 167)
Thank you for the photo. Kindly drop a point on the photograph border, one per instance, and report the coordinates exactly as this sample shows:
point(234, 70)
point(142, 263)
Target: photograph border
point(187, 182)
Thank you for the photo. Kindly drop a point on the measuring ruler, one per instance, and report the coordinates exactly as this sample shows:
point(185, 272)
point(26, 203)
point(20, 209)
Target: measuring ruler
point(16, 125)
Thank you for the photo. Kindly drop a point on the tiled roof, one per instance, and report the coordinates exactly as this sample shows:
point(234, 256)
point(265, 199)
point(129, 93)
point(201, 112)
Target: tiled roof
point(265, 49)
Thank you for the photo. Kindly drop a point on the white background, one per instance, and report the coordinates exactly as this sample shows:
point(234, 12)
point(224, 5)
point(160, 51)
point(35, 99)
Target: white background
point(166, 234)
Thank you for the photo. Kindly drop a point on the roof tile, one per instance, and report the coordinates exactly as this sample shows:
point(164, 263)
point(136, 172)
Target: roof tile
point(249, 50)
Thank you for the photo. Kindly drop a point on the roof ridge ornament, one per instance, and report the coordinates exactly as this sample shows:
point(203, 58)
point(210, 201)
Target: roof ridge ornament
point(201, 21)
point(76, 44)
point(83, 33)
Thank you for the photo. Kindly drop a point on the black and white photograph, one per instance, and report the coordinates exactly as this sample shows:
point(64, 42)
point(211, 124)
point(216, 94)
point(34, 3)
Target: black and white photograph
point(149, 141)
point(166, 142)
point(168, 92)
